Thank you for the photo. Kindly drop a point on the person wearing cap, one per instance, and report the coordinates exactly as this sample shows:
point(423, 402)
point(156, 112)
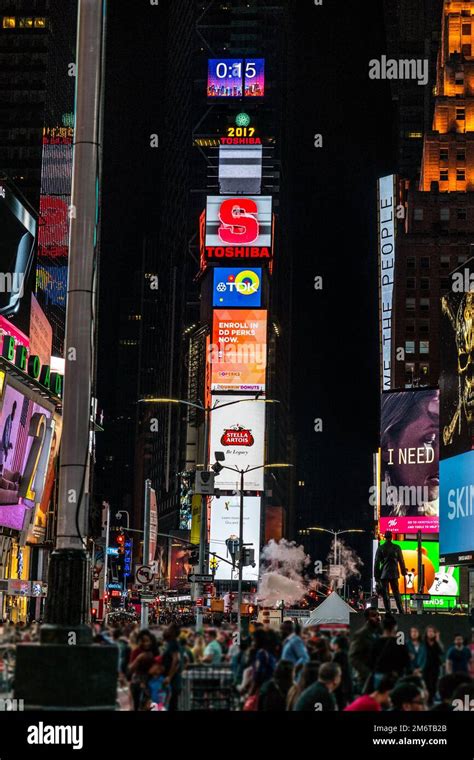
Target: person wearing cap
point(388, 564)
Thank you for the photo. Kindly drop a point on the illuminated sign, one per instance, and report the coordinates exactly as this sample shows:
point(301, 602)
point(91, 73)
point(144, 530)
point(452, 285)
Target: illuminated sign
point(238, 353)
point(239, 431)
point(31, 365)
point(409, 488)
point(387, 252)
point(235, 77)
point(240, 169)
point(237, 287)
point(239, 228)
point(225, 517)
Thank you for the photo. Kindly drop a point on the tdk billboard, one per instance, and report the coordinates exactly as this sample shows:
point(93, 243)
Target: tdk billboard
point(239, 288)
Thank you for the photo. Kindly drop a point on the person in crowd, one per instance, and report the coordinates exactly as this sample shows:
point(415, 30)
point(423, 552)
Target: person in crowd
point(407, 697)
point(173, 664)
point(141, 658)
point(123, 653)
point(321, 650)
point(360, 650)
point(273, 694)
point(262, 660)
point(198, 648)
point(304, 676)
point(458, 656)
point(239, 660)
point(213, 650)
point(447, 685)
point(157, 689)
point(343, 693)
point(388, 565)
point(433, 660)
point(224, 642)
point(319, 697)
point(185, 641)
point(389, 654)
point(293, 649)
point(416, 649)
point(377, 701)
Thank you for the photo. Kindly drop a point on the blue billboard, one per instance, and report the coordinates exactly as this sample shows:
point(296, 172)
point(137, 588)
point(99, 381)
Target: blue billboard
point(239, 288)
point(457, 506)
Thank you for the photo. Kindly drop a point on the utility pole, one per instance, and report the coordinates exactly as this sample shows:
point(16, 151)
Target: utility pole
point(69, 581)
point(146, 546)
point(106, 560)
point(241, 554)
point(203, 531)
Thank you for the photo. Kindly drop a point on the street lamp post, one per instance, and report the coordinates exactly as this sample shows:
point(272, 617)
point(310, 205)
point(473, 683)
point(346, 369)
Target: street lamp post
point(334, 534)
point(208, 410)
point(121, 512)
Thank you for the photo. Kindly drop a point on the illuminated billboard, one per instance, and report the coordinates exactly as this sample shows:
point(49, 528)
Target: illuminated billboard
point(26, 436)
point(239, 431)
point(17, 242)
point(409, 488)
point(237, 288)
point(238, 353)
point(235, 77)
point(387, 253)
point(238, 228)
point(225, 517)
point(240, 169)
point(457, 427)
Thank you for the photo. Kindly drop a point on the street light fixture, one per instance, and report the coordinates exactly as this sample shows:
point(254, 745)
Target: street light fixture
point(334, 534)
point(220, 457)
point(208, 410)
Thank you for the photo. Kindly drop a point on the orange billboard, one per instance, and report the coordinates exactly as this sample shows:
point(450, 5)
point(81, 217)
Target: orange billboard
point(238, 352)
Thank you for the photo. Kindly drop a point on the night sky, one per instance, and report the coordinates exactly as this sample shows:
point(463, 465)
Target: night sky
point(334, 217)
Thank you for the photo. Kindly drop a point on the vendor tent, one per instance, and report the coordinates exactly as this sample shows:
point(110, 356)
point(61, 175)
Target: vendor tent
point(333, 610)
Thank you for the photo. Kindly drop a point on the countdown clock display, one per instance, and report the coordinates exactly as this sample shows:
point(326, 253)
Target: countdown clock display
point(236, 77)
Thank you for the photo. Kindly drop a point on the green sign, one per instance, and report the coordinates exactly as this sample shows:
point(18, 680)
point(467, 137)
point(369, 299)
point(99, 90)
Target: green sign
point(31, 365)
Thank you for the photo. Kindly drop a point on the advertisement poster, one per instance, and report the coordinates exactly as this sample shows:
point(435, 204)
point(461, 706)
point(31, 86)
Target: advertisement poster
point(225, 517)
point(239, 432)
point(409, 488)
point(237, 288)
point(442, 582)
point(238, 353)
point(457, 425)
point(41, 333)
point(240, 169)
point(238, 228)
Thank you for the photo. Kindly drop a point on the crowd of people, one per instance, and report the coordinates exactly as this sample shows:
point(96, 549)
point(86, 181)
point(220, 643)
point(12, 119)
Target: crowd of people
point(377, 668)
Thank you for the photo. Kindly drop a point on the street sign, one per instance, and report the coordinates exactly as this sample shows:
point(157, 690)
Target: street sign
point(144, 574)
point(296, 613)
point(199, 578)
point(147, 598)
point(204, 483)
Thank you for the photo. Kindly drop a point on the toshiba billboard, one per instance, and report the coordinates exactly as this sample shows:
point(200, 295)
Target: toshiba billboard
point(238, 228)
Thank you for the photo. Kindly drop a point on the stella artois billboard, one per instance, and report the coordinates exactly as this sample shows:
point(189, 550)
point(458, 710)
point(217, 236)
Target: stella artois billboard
point(239, 431)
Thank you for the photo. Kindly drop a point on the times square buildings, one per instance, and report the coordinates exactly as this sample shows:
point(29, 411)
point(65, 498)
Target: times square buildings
point(426, 220)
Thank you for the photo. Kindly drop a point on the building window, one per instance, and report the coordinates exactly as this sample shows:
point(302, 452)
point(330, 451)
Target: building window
point(460, 176)
point(424, 346)
point(424, 327)
point(443, 154)
point(409, 346)
point(424, 373)
point(459, 78)
point(411, 283)
point(462, 259)
point(466, 30)
point(460, 113)
point(445, 262)
point(410, 328)
point(410, 304)
point(461, 154)
point(25, 23)
point(444, 214)
point(411, 262)
point(9, 22)
point(443, 175)
point(425, 283)
point(424, 304)
point(461, 214)
point(409, 372)
point(418, 215)
point(466, 51)
point(445, 284)
point(425, 262)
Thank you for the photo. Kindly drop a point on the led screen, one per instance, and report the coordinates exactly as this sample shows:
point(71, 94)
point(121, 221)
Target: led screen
point(234, 77)
point(225, 517)
point(237, 288)
point(238, 228)
point(238, 431)
point(409, 488)
point(238, 353)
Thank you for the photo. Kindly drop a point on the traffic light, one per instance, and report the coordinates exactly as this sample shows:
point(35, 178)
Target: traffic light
point(121, 542)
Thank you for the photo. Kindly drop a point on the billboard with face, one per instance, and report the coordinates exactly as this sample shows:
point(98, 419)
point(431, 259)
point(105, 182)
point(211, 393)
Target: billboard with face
point(238, 430)
point(225, 518)
point(238, 228)
point(409, 498)
point(238, 353)
point(26, 436)
point(457, 426)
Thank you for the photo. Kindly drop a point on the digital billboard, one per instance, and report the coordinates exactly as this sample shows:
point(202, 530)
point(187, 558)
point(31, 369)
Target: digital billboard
point(441, 581)
point(387, 253)
point(409, 487)
point(238, 228)
point(237, 288)
point(235, 77)
point(239, 431)
point(457, 427)
point(238, 353)
point(26, 436)
point(240, 169)
point(17, 243)
point(225, 518)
